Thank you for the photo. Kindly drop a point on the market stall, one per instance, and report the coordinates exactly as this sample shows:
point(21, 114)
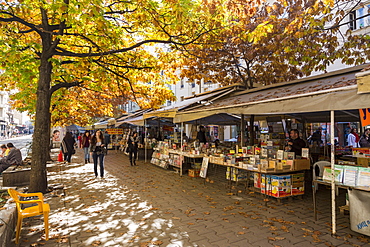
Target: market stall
point(332, 94)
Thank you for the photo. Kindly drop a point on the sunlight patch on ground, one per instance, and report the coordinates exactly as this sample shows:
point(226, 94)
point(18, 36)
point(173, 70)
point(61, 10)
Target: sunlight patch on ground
point(107, 211)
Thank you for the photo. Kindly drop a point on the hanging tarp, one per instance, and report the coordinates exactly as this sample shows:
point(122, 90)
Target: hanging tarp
point(337, 91)
point(171, 111)
point(134, 116)
point(359, 211)
point(218, 119)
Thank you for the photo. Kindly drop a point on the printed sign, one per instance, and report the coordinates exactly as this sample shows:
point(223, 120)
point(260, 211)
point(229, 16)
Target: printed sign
point(115, 131)
point(365, 116)
point(204, 168)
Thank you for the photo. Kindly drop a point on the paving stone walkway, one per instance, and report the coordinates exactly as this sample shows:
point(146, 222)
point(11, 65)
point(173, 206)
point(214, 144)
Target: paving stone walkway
point(146, 205)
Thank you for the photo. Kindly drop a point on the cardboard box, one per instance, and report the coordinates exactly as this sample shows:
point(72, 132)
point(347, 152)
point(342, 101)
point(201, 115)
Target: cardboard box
point(297, 190)
point(298, 180)
point(281, 180)
point(257, 179)
point(301, 164)
point(193, 173)
point(266, 182)
point(363, 162)
point(281, 191)
point(298, 177)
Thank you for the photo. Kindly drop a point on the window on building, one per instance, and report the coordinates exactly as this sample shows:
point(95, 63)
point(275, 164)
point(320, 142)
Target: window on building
point(182, 98)
point(168, 102)
point(352, 19)
point(359, 19)
point(193, 85)
point(182, 83)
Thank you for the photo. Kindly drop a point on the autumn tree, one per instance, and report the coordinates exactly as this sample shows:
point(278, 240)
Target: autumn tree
point(70, 60)
point(273, 42)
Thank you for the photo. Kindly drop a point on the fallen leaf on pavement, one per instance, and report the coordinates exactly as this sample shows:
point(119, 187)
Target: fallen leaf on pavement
point(307, 230)
point(279, 238)
point(316, 239)
point(273, 228)
point(284, 228)
point(96, 243)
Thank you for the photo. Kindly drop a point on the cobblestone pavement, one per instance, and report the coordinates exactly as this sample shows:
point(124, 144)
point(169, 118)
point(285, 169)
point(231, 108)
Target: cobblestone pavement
point(146, 205)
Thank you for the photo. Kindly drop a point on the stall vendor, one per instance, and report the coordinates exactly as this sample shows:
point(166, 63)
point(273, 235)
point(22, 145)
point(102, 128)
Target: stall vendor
point(201, 135)
point(295, 143)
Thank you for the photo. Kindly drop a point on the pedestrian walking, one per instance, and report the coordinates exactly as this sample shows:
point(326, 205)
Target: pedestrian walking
point(133, 142)
point(98, 149)
point(106, 140)
point(85, 144)
point(68, 146)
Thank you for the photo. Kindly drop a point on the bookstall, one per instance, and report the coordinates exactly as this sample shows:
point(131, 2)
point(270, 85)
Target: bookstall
point(338, 94)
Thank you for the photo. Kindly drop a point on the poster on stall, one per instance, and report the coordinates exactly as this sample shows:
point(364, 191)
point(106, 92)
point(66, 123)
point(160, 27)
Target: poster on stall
point(204, 168)
point(115, 131)
point(365, 116)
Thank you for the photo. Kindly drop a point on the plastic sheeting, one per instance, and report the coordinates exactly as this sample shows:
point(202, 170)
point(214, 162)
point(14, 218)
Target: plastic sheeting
point(359, 209)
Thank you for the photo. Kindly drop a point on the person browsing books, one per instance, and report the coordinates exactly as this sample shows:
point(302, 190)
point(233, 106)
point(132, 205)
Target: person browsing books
point(295, 143)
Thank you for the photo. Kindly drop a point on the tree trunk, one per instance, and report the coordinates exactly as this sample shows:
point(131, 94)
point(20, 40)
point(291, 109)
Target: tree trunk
point(41, 137)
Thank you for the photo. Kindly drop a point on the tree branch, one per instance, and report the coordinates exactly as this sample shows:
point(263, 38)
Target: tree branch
point(14, 18)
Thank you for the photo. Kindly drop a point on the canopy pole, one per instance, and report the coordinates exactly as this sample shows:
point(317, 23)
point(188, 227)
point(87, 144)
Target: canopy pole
point(181, 148)
point(333, 215)
point(145, 136)
point(242, 131)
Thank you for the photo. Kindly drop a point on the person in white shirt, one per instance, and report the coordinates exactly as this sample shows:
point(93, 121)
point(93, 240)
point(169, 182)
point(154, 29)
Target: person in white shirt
point(351, 139)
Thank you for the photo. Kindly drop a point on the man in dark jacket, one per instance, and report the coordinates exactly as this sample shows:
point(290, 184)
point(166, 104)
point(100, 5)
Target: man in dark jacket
point(201, 136)
point(295, 143)
point(133, 142)
point(13, 158)
point(365, 139)
point(106, 140)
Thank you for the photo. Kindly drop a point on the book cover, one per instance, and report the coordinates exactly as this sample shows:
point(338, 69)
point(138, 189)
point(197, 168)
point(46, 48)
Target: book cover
point(280, 154)
point(305, 152)
point(291, 155)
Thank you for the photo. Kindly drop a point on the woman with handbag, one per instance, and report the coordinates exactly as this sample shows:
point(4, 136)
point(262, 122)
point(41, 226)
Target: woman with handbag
point(68, 146)
point(98, 148)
